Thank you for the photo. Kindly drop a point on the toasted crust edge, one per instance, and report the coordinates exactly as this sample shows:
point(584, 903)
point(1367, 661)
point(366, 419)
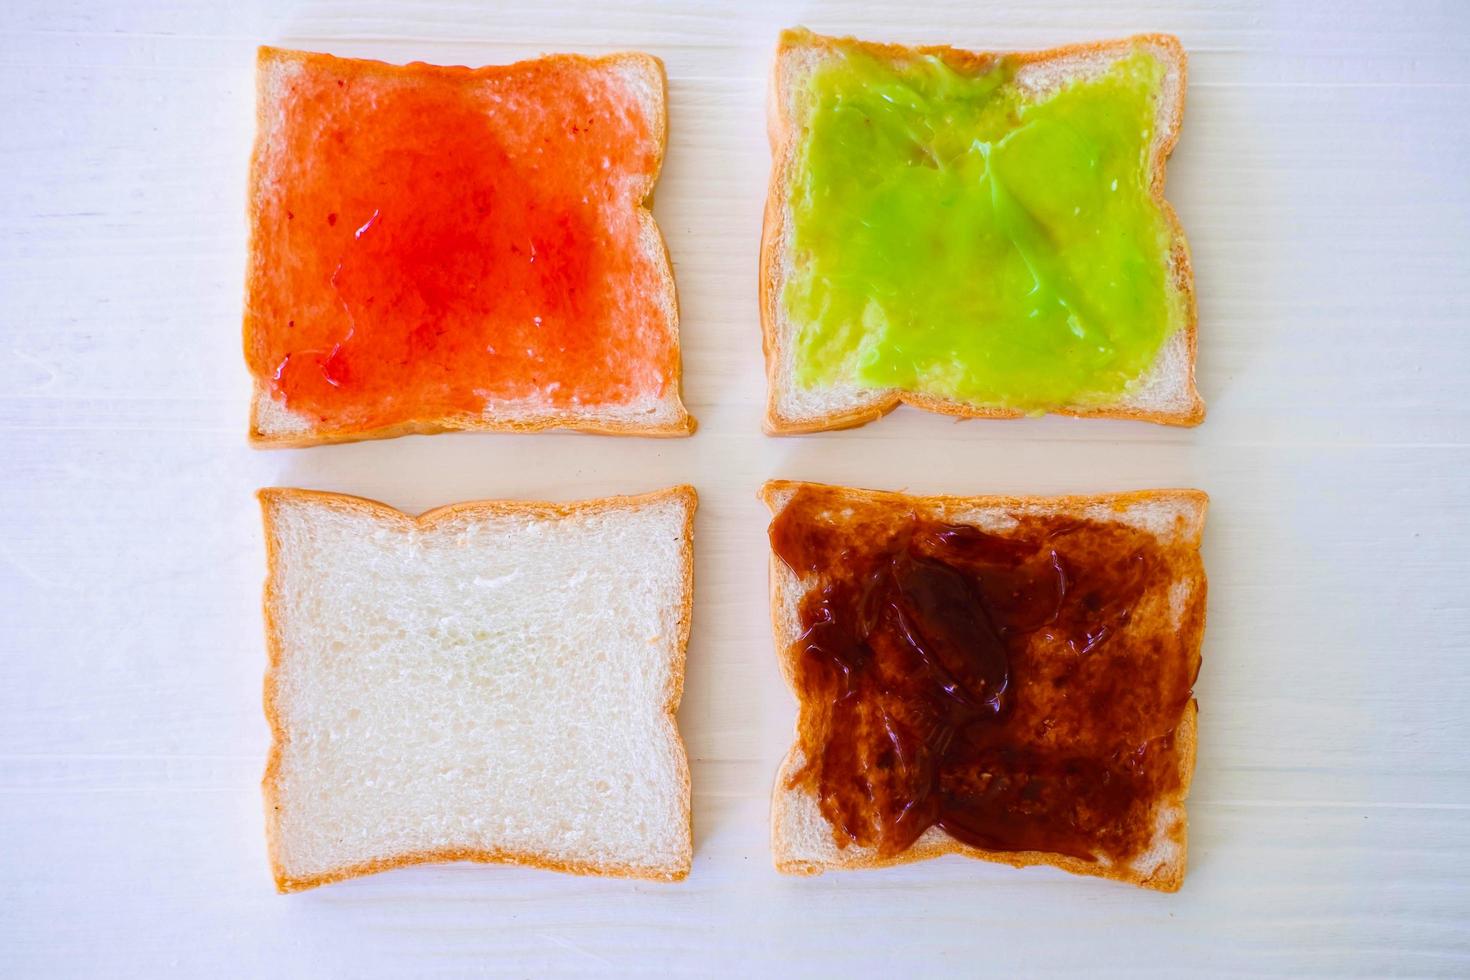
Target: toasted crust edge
point(773, 233)
point(1167, 879)
point(584, 421)
point(270, 497)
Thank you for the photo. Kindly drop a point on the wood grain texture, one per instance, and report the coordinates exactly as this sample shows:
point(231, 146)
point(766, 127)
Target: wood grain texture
point(1321, 180)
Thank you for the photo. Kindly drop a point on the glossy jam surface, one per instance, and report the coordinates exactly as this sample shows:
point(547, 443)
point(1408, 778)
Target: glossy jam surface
point(427, 240)
point(1018, 690)
point(957, 236)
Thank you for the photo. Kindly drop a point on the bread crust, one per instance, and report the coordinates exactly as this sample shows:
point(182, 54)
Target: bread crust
point(1167, 878)
point(585, 420)
point(780, 130)
point(270, 497)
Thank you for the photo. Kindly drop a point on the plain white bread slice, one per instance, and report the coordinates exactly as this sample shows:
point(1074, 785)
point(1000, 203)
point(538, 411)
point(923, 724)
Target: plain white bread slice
point(491, 681)
point(1167, 394)
point(802, 840)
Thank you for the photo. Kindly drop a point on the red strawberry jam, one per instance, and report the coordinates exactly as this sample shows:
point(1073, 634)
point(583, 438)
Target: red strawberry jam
point(430, 241)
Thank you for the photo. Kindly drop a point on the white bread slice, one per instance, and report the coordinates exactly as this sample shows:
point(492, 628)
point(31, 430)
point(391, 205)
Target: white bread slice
point(273, 424)
point(1166, 394)
point(491, 681)
point(802, 839)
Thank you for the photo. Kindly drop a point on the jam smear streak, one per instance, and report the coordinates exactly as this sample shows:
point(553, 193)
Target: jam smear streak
point(1020, 691)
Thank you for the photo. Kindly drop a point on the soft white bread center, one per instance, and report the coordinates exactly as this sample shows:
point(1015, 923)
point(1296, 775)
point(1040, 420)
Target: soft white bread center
point(486, 682)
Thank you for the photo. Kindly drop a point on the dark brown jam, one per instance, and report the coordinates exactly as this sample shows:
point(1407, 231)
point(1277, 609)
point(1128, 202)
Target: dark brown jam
point(1018, 690)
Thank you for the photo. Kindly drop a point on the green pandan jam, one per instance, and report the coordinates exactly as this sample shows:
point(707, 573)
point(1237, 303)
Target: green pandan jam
point(957, 236)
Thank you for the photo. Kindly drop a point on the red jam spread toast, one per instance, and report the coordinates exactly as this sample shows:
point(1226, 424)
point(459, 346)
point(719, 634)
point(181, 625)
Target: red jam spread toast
point(440, 248)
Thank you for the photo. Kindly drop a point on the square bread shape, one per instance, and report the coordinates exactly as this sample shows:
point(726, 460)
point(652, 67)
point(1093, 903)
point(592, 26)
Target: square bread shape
point(445, 248)
point(1169, 613)
point(1165, 393)
point(491, 681)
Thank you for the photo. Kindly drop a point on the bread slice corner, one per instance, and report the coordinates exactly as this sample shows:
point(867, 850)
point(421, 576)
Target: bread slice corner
point(1166, 394)
point(803, 840)
point(492, 681)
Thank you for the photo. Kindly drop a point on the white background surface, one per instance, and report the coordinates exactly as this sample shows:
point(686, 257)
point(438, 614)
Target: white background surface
point(1322, 179)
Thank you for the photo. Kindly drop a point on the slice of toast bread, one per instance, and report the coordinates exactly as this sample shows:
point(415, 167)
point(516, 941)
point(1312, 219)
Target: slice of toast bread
point(395, 215)
point(491, 681)
point(1165, 394)
point(806, 842)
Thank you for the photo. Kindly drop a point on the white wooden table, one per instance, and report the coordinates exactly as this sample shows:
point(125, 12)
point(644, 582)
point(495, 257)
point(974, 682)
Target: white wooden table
point(1322, 178)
